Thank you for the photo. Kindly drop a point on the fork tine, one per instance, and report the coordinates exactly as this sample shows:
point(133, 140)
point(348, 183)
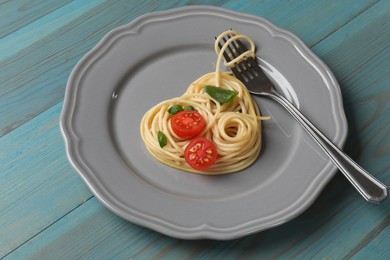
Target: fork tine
point(225, 55)
point(244, 70)
point(247, 63)
point(237, 48)
point(229, 48)
point(234, 48)
point(240, 46)
point(248, 67)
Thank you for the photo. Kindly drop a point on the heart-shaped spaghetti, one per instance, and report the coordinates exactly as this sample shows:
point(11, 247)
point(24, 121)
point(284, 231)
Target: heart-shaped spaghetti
point(233, 126)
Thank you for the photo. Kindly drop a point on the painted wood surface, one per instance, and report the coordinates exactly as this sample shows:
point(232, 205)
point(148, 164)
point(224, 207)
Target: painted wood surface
point(46, 211)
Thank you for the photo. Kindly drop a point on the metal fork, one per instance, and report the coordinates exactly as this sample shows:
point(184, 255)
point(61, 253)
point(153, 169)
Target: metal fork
point(253, 77)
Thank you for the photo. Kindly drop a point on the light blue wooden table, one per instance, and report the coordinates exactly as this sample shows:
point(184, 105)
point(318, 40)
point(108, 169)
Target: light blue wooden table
point(47, 212)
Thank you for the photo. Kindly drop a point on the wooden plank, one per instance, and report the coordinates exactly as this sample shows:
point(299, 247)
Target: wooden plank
point(78, 232)
point(47, 62)
point(362, 78)
point(23, 84)
point(369, 130)
point(37, 184)
point(18, 13)
point(43, 27)
point(311, 21)
point(376, 245)
point(333, 227)
point(91, 231)
point(359, 57)
point(84, 233)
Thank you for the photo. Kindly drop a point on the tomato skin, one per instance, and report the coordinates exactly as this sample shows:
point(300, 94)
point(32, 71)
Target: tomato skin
point(187, 124)
point(200, 153)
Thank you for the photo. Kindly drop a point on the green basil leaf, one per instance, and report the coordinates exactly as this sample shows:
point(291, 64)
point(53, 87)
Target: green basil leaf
point(175, 109)
point(162, 139)
point(188, 108)
point(222, 95)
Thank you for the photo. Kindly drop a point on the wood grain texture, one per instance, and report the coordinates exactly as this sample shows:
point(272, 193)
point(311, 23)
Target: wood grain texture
point(311, 21)
point(37, 184)
point(359, 56)
point(47, 212)
point(42, 28)
point(376, 245)
point(17, 14)
point(38, 68)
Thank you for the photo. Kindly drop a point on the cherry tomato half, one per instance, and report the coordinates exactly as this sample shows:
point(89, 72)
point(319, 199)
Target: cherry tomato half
point(200, 153)
point(188, 123)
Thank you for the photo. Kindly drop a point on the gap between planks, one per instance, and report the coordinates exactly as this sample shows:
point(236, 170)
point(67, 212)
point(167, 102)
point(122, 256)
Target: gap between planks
point(48, 226)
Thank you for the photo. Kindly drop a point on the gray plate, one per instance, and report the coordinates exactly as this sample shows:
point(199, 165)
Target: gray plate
point(156, 57)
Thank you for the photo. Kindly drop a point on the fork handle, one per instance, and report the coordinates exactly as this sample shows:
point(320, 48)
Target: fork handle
point(369, 187)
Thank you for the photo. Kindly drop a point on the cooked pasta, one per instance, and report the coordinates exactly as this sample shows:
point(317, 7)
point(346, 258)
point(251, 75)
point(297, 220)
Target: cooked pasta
point(233, 126)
